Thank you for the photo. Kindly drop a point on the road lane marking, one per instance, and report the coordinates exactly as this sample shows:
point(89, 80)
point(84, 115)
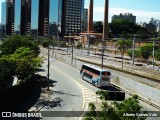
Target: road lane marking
point(88, 95)
point(75, 82)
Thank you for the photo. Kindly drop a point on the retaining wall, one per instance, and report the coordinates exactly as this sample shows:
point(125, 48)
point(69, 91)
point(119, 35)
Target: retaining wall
point(147, 92)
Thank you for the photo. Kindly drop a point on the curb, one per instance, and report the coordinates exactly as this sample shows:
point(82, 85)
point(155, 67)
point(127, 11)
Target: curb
point(121, 70)
point(129, 72)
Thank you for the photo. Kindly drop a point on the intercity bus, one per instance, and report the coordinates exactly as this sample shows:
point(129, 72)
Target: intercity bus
point(97, 76)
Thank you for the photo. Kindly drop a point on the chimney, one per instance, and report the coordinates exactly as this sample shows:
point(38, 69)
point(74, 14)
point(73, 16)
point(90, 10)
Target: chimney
point(90, 18)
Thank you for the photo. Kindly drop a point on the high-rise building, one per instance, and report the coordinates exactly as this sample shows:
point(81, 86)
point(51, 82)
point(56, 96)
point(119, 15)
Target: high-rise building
point(3, 13)
point(72, 16)
point(127, 16)
point(158, 26)
point(10, 5)
point(85, 20)
point(53, 29)
point(155, 23)
point(3, 18)
point(53, 17)
point(143, 24)
point(43, 18)
point(25, 25)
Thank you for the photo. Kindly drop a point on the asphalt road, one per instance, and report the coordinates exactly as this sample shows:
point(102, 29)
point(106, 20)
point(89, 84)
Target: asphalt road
point(67, 95)
point(71, 74)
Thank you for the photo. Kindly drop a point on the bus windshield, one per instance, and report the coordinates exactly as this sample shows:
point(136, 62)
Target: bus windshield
point(106, 73)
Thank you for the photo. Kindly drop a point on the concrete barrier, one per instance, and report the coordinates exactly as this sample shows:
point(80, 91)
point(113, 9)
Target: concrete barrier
point(146, 92)
point(116, 95)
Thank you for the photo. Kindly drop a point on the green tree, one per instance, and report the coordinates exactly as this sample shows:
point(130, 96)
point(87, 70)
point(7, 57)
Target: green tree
point(47, 41)
point(137, 53)
point(79, 45)
point(119, 26)
point(26, 62)
point(98, 27)
point(157, 54)
point(147, 50)
point(114, 110)
point(7, 70)
point(131, 105)
point(142, 33)
point(22, 63)
point(159, 33)
point(92, 114)
point(123, 46)
point(103, 95)
point(12, 43)
point(108, 110)
point(61, 43)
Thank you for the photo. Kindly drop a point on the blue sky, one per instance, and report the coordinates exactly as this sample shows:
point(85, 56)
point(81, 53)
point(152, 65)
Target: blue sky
point(143, 9)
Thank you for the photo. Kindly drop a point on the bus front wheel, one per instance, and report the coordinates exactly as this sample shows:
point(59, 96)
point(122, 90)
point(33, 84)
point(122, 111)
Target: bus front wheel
point(93, 83)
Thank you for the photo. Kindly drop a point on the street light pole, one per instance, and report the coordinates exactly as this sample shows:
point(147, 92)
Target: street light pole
point(122, 52)
point(133, 49)
point(48, 69)
point(72, 54)
point(48, 61)
point(88, 44)
point(153, 53)
point(102, 55)
point(37, 33)
point(67, 48)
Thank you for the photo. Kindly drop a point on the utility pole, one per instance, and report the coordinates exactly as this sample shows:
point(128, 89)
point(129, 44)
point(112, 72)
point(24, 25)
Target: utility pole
point(48, 62)
point(67, 44)
point(48, 69)
point(58, 24)
point(72, 53)
point(37, 33)
point(88, 43)
point(133, 49)
point(102, 55)
point(122, 52)
point(153, 53)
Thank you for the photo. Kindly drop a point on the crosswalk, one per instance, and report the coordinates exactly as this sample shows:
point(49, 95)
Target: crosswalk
point(89, 95)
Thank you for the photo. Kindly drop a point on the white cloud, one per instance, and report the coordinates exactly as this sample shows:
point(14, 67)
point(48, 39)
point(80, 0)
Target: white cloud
point(143, 16)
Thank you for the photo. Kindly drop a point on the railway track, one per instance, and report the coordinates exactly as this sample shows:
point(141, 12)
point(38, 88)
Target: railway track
point(118, 65)
point(138, 68)
point(140, 98)
point(143, 69)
